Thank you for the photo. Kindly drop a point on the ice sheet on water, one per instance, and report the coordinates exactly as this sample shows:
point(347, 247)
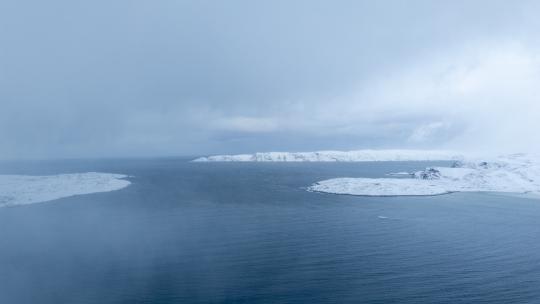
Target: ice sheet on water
point(24, 189)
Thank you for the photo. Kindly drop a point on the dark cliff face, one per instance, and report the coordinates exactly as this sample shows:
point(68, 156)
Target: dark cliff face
point(457, 164)
point(429, 173)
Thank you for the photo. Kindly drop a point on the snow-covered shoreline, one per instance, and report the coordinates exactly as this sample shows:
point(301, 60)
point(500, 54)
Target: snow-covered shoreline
point(25, 189)
point(337, 156)
point(517, 173)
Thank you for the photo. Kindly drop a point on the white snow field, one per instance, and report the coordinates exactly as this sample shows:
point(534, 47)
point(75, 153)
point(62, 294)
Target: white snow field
point(336, 156)
point(24, 189)
point(516, 173)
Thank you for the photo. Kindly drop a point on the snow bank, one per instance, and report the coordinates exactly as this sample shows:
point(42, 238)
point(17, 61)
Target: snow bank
point(23, 189)
point(336, 156)
point(518, 173)
point(378, 187)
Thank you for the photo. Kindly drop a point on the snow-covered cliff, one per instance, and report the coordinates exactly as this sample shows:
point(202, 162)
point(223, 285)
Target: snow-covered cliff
point(336, 156)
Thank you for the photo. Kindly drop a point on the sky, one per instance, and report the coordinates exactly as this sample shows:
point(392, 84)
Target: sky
point(133, 78)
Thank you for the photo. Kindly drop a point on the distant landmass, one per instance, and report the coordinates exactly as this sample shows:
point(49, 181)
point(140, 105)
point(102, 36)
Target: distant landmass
point(337, 156)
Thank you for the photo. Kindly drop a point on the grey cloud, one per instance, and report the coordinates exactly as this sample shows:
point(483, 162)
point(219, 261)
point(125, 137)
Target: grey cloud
point(145, 78)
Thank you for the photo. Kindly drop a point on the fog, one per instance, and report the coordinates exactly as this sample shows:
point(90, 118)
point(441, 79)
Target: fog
point(147, 78)
point(106, 86)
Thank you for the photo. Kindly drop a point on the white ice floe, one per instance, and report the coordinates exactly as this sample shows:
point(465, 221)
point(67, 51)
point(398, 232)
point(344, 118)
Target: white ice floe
point(24, 189)
point(518, 173)
point(336, 156)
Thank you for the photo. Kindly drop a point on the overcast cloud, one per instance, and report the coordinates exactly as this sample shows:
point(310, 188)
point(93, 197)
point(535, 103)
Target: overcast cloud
point(153, 78)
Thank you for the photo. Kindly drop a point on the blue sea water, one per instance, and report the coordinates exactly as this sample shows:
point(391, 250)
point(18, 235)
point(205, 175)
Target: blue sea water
point(249, 233)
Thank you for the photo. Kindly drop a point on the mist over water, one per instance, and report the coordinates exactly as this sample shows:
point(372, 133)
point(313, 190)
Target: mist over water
point(249, 232)
point(130, 87)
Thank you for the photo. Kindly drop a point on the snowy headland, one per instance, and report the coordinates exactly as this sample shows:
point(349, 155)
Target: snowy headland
point(337, 156)
point(24, 189)
point(517, 173)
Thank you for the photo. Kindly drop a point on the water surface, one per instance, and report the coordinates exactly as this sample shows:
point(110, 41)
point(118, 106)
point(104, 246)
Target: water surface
point(249, 233)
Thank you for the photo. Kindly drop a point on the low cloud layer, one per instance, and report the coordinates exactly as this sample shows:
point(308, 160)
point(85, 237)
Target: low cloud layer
point(139, 78)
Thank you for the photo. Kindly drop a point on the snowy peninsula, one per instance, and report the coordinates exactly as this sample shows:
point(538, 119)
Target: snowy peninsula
point(24, 189)
point(517, 173)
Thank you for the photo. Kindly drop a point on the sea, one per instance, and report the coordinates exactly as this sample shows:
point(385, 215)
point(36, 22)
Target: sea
point(187, 232)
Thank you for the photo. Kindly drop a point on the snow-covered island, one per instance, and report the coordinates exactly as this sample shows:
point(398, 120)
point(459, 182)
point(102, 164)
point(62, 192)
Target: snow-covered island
point(24, 189)
point(517, 173)
point(337, 156)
